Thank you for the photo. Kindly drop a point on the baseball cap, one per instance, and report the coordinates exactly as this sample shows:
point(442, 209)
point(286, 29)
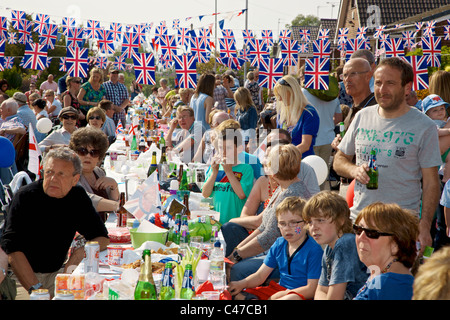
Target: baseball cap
point(432, 101)
point(20, 97)
point(113, 69)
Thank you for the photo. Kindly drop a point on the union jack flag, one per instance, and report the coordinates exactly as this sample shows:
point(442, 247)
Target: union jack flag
point(66, 24)
point(289, 52)
point(120, 63)
point(227, 48)
point(244, 53)
point(160, 31)
point(379, 31)
point(12, 37)
point(40, 21)
point(93, 29)
point(186, 70)
point(75, 37)
point(140, 31)
point(8, 62)
point(49, 35)
point(77, 62)
point(321, 48)
point(175, 24)
point(116, 29)
point(205, 34)
point(317, 73)
point(343, 35)
point(324, 34)
point(305, 35)
point(101, 62)
point(270, 71)
point(233, 62)
point(409, 38)
point(228, 34)
point(285, 34)
point(303, 48)
point(16, 16)
point(248, 35)
point(166, 64)
point(431, 47)
point(420, 69)
point(428, 31)
point(119, 128)
point(144, 68)
point(361, 33)
point(130, 44)
point(447, 32)
point(3, 28)
point(183, 37)
point(2, 50)
point(62, 64)
point(25, 28)
point(394, 47)
point(35, 56)
point(168, 47)
point(49, 61)
point(198, 50)
point(257, 51)
point(267, 36)
point(353, 45)
point(105, 41)
point(383, 39)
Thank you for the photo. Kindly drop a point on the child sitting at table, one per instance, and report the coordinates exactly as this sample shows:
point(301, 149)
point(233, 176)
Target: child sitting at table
point(343, 274)
point(228, 181)
point(295, 254)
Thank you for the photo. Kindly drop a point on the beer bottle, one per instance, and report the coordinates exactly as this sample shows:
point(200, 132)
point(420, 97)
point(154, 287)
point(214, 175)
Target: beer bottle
point(184, 181)
point(187, 288)
point(122, 213)
point(177, 229)
point(180, 174)
point(168, 285)
point(373, 171)
point(153, 165)
point(342, 129)
point(184, 231)
point(186, 204)
point(163, 167)
point(145, 287)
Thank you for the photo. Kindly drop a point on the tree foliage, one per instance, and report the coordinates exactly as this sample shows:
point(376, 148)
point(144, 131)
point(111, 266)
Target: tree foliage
point(302, 20)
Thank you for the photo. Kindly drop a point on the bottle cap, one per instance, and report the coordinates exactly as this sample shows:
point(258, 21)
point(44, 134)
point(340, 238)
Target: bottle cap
point(217, 244)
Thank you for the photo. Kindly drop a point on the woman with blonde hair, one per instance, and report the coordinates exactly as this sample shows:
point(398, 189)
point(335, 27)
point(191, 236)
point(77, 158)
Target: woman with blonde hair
point(91, 92)
point(296, 115)
point(440, 85)
point(246, 112)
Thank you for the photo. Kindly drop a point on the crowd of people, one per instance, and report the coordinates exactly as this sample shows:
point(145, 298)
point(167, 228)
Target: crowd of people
point(287, 236)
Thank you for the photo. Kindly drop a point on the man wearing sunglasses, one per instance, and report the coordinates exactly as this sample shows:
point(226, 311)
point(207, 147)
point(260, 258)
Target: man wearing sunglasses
point(407, 147)
point(61, 137)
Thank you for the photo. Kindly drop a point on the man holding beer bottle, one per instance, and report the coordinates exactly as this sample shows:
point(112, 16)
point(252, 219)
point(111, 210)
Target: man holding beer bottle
point(406, 146)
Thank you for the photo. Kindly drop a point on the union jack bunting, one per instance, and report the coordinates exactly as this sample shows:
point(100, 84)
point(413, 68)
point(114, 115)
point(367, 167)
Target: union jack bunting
point(321, 48)
point(160, 31)
point(409, 38)
point(120, 63)
point(228, 34)
point(2, 48)
point(270, 71)
point(168, 47)
point(205, 34)
point(317, 73)
point(75, 37)
point(144, 68)
point(175, 24)
point(419, 25)
point(267, 36)
point(12, 37)
point(394, 47)
point(431, 47)
point(233, 62)
point(383, 38)
point(257, 51)
point(227, 48)
point(324, 34)
point(62, 64)
point(105, 41)
point(66, 24)
point(8, 62)
point(289, 52)
point(420, 70)
point(303, 48)
point(447, 32)
point(35, 56)
point(166, 64)
point(428, 31)
point(305, 35)
point(183, 37)
point(244, 53)
point(186, 70)
point(16, 16)
point(116, 29)
point(119, 128)
point(343, 35)
point(248, 35)
point(285, 34)
point(352, 45)
point(49, 35)
point(40, 21)
point(130, 44)
point(3, 28)
point(361, 33)
point(24, 29)
point(101, 62)
point(397, 26)
point(140, 31)
point(49, 61)
point(198, 50)
point(379, 31)
point(77, 62)
point(93, 29)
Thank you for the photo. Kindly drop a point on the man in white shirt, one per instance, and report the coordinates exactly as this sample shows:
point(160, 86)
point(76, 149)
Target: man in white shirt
point(49, 84)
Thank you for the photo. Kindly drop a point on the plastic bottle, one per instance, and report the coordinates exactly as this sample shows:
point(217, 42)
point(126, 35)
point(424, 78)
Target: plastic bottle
point(217, 258)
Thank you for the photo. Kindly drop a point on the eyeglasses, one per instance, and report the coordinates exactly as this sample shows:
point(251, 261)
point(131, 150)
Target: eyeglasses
point(372, 234)
point(84, 152)
point(95, 117)
point(283, 82)
point(352, 74)
point(76, 81)
point(67, 117)
point(290, 224)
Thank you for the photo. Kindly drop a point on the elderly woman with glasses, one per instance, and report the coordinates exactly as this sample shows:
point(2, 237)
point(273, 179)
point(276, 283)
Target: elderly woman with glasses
point(91, 145)
point(296, 114)
point(386, 238)
point(61, 137)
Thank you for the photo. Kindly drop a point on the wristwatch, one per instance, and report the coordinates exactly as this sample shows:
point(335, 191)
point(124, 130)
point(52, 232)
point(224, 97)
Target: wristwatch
point(236, 255)
point(34, 287)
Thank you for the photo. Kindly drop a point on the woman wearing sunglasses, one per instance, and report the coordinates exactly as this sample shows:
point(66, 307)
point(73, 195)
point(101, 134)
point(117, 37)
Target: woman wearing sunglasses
point(96, 117)
point(61, 137)
point(69, 97)
point(386, 238)
point(91, 145)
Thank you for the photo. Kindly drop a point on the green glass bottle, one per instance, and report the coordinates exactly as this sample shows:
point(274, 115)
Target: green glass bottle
point(373, 171)
point(187, 288)
point(342, 129)
point(153, 165)
point(162, 141)
point(145, 287)
point(184, 182)
point(134, 145)
point(168, 284)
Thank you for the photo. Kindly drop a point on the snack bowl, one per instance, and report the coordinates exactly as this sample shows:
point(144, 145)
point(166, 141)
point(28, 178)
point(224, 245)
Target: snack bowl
point(138, 238)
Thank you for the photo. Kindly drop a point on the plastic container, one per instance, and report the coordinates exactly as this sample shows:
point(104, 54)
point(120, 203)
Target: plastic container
point(138, 238)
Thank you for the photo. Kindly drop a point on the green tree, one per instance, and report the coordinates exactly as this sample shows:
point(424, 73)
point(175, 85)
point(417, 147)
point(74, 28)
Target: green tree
point(302, 20)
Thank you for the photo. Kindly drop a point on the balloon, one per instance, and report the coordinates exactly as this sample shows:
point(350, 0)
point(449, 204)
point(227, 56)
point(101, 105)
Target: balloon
point(319, 166)
point(44, 125)
point(8, 153)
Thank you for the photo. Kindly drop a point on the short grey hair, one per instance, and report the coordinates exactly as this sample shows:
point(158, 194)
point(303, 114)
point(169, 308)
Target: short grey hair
point(65, 154)
point(364, 53)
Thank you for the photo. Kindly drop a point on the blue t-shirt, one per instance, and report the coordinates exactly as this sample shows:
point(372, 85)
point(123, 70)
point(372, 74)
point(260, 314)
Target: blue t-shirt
point(198, 105)
point(388, 286)
point(308, 124)
point(341, 264)
point(445, 197)
point(295, 270)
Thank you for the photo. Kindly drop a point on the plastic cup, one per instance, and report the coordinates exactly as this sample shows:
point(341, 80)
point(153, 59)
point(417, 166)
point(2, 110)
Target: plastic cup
point(197, 242)
point(202, 270)
point(211, 295)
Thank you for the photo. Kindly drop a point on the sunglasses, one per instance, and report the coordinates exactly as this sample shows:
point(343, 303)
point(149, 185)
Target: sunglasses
point(284, 82)
point(67, 117)
point(76, 81)
point(95, 117)
point(84, 152)
point(372, 234)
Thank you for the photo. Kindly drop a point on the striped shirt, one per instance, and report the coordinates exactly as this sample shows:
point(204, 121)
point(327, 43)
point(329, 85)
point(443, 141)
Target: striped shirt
point(116, 93)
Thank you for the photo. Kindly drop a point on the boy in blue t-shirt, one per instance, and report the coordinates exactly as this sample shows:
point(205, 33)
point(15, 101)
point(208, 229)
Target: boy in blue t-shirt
point(295, 254)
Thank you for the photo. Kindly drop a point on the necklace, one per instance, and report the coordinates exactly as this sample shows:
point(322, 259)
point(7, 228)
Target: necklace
point(389, 265)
